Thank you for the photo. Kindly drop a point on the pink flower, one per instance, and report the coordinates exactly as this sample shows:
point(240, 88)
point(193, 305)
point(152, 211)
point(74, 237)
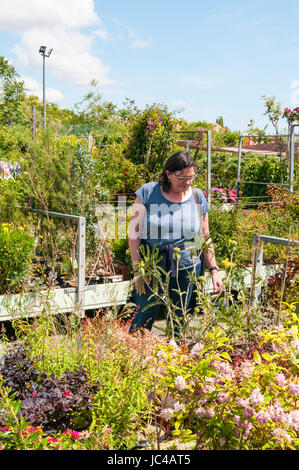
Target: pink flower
point(263, 417)
point(294, 389)
point(293, 419)
point(281, 435)
point(248, 411)
point(280, 380)
point(223, 397)
point(196, 350)
point(204, 412)
point(75, 435)
point(52, 439)
point(276, 412)
point(67, 393)
point(256, 396)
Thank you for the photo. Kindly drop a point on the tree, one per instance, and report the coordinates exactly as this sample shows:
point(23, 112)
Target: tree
point(12, 94)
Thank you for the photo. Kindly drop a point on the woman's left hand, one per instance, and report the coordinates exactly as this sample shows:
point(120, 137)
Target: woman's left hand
point(216, 281)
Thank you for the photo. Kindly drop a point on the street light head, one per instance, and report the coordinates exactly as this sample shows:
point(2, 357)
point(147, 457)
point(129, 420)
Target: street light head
point(42, 49)
point(49, 52)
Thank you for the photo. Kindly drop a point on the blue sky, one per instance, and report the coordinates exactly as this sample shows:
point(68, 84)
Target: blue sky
point(208, 59)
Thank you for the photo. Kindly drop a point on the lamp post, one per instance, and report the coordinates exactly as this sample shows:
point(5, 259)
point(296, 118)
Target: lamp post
point(42, 51)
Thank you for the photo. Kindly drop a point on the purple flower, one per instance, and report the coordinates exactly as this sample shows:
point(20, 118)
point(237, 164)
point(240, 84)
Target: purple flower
point(280, 380)
point(248, 411)
point(263, 417)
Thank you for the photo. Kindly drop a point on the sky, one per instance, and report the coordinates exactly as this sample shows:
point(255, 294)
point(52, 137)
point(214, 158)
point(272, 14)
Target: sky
point(203, 59)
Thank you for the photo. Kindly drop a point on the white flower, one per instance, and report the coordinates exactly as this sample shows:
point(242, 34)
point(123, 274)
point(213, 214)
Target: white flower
point(256, 396)
point(281, 435)
point(179, 406)
point(167, 413)
point(180, 383)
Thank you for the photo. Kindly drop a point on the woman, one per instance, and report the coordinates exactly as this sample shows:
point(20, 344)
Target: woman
point(170, 214)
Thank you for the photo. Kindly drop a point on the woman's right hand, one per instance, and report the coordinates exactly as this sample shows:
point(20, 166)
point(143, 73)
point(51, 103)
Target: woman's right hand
point(139, 284)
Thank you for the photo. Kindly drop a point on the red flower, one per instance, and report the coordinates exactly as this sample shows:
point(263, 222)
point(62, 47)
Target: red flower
point(126, 173)
point(245, 213)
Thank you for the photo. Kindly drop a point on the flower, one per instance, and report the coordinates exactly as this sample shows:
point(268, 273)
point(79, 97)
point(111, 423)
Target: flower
point(256, 396)
point(281, 435)
point(167, 413)
point(223, 397)
point(246, 369)
point(178, 407)
point(263, 417)
point(196, 350)
point(248, 411)
point(294, 389)
point(293, 419)
point(280, 379)
point(245, 213)
point(204, 412)
point(277, 413)
point(180, 383)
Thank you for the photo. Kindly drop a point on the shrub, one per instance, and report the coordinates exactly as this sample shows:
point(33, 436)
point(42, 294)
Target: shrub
point(16, 248)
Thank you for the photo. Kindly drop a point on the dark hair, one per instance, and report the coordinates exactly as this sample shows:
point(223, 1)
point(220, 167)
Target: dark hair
point(176, 162)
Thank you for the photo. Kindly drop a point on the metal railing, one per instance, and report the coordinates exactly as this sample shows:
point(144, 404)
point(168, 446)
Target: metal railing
point(257, 262)
point(81, 244)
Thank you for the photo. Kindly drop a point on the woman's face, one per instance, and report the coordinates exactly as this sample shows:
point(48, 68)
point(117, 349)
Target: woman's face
point(181, 180)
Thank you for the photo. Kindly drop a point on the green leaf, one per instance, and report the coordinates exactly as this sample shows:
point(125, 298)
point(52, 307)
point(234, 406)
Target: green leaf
point(267, 357)
point(257, 357)
point(225, 355)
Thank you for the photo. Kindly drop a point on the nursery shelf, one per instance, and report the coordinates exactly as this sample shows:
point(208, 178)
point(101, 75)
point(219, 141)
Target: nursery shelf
point(96, 296)
point(62, 300)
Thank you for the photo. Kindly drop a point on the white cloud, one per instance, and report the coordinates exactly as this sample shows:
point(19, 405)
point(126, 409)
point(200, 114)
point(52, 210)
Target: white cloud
point(124, 31)
point(142, 44)
point(57, 24)
point(34, 88)
point(20, 15)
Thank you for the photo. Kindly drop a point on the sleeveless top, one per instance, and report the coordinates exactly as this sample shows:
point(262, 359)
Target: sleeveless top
point(169, 224)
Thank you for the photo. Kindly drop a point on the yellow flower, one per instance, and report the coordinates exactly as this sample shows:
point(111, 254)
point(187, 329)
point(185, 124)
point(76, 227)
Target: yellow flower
point(201, 278)
point(232, 242)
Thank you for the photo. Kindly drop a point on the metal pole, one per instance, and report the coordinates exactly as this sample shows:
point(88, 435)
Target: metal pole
point(33, 122)
point(81, 264)
point(291, 162)
point(239, 167)
point(44, 89)
point(209, 165)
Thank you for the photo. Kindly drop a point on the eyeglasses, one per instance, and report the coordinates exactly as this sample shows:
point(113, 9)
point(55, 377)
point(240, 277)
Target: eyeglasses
point(185, 178)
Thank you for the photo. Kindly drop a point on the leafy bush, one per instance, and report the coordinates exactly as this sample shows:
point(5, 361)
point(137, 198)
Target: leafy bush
point(263, 170)
point(215, 404)
point(151, 138)
point(16, 248)
point(53, 403)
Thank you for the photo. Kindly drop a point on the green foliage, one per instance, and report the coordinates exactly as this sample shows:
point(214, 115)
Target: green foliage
point(151, 138)
point(13, 94)
point(262, 170)
point(16, 248)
